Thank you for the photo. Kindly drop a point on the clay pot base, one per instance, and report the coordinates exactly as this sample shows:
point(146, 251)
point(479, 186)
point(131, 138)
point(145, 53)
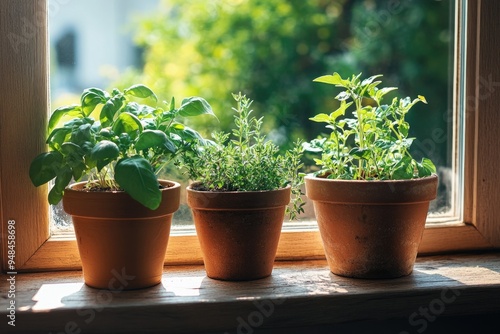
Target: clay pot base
point(372, 241)
point(371, 229)
point(122, 244)
point(245, 242)
point(238, 231)
point(122, 254)
point(373, 273)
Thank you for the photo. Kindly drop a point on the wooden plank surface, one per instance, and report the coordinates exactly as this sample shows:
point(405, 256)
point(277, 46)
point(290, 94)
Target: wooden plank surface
point(297, 294)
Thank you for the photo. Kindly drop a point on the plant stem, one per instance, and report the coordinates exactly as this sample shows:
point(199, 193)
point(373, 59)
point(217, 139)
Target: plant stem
point(361, 134)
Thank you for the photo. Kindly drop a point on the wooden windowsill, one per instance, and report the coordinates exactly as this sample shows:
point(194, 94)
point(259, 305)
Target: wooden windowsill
point(297, 295)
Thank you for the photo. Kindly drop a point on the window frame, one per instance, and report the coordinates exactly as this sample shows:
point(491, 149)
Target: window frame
point(24, 101)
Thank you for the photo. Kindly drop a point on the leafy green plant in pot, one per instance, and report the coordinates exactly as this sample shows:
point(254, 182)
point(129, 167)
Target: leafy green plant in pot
point(370, 196)
point(122, 212)
point(243, 188)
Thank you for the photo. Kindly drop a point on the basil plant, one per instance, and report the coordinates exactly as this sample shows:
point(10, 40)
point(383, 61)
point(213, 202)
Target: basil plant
point(373, 144)
point(115, 142)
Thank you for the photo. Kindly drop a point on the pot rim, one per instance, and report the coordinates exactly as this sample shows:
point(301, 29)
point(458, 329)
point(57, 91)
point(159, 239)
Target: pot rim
point(172, 185)
point(118, 204)
point(237, 200)
point(373, 191)
point(311, 176)
point(190, 188)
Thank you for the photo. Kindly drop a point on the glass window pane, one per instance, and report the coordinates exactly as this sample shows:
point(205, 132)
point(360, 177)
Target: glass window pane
point(91, 45)
point(271, 51)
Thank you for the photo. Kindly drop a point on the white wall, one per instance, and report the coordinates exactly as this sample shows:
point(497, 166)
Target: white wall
point(104, 38)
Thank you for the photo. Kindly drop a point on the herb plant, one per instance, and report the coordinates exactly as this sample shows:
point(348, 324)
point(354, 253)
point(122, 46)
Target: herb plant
point(245, 161)
point(115, 142)
point(374, 144)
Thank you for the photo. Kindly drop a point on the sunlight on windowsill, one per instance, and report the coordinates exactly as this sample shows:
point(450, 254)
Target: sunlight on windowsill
point(298, 291)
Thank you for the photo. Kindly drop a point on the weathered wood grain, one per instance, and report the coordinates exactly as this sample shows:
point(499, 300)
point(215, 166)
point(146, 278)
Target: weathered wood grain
point(298, 293)
point(486, 213)
point(23, 115)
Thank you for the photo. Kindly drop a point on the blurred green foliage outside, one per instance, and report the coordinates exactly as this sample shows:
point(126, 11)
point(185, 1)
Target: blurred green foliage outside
point(272, 49)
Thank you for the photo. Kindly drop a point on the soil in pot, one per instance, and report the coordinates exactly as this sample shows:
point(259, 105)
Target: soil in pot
point(238, 231)
point(122, 244)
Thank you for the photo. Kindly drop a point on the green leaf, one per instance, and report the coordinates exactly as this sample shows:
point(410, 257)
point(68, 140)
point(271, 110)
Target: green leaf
point(90, 98)
point(189, 134)
point(58, 137)
point(132, 107)
point(178, 126)
point(55, 196)
point(140, 91)
point(360, 153)
point(371, 88)
point(172, 104)
point(87, 146)
point(103, 95)
point(73, 123)
point(334, 79)
point(127, 123)
point(310, 147)
point(78, 168)
point(404, 169)
point(195, 106)
point(405, 102)
point(321, 118)
point(146, 111)
point(404, 128)
point(426, 167)
point(422, 98)
point(343, 96)
point(170, 146)
point(73, 110)
point(369, 80)
point(383, 144)
point(151, 138)
point(135, 175)
point(69, 148)
point(109, 110)
point(407, 142)
point(381, 92)
point(63, 178)
point(106, 132)
point(340, 111)
point(81, 134)
point(104, 152)
point(44, 167)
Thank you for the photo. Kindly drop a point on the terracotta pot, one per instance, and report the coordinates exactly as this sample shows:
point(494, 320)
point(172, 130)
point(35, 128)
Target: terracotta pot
point(371, 229)
point(122, 243)
point(238, 231)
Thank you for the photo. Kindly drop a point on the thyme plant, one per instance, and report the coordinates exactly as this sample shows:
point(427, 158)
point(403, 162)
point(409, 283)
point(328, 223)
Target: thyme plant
point(374, 143)
point(245, 161)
